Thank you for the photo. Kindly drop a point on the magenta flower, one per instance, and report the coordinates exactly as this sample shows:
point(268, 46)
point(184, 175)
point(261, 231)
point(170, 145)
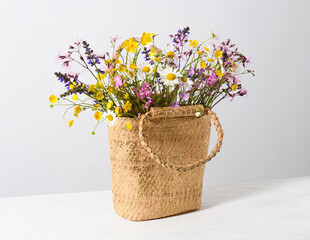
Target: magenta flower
point(148, 103)
point(212, 79)
point(143, 93)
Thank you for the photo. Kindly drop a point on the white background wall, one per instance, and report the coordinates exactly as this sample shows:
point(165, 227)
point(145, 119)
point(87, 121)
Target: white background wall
point(266, 134)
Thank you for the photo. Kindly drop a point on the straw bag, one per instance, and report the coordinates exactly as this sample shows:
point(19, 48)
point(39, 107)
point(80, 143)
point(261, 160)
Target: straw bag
point(158, 167)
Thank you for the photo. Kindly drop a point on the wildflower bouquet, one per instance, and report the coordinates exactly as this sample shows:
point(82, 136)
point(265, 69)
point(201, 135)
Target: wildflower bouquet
point(157, 167)
point(136, 76)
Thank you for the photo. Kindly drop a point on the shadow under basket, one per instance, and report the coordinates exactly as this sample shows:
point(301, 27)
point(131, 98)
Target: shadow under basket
point(158, 166)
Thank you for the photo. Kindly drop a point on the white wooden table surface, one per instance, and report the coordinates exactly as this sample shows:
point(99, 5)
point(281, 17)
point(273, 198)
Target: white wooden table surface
point(267, 210)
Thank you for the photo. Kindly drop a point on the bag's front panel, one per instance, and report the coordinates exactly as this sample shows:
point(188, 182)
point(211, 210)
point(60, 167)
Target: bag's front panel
point(143, 189)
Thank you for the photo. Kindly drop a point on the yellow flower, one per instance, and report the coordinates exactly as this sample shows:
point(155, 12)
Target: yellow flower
point(170, 54)
point(96, 106)
point(193, 43)
point(218, 54)
point(210, 59)
point(234, 87)
point(146, 38)
point(157, 59)
point(75, 97)
point(72, 85)
point(109, 117)
point(129, 126)
point(98, 115)
point(121, 68)
point(133, 66)
point(219, 73)
point(131, 74)
point(53, 99)
point(76, 115)
point(116, 110)
point(77, 109)
point(110, 90)
point(70, 123)
point(126, 96)
point(127, 106)
point(206, 49)
point(131, 45)
point(101, 84)
point(200, 52)
point(109, 105)
point(108, 61)
point(117, 61)
point(101, 76)
point(153, 53)
point(203, 64)
point(100, 95)
point(91, 88)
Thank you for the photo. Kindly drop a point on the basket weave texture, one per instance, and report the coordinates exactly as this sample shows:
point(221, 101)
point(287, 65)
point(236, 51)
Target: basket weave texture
point(148, 179)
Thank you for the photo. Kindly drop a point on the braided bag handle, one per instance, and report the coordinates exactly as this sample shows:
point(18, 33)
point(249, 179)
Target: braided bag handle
point(188, 167)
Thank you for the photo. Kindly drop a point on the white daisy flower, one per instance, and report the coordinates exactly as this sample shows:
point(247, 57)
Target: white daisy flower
point(145, 68)
point(213, 35)
point(186, 83)
point(210, 60)
point(169, 53)
point(110, 117)
point(169, 76)
point(130, 74)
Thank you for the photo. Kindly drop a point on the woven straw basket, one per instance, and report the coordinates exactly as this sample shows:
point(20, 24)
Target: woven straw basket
point(158, 167)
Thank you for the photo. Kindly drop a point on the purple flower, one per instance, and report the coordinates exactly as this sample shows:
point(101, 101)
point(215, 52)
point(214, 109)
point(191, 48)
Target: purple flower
point(146, 52)
point(184, 96)
point(180, 38)
point(175, 105)
point(92, 60)
point(191, 71)
point(201, 70)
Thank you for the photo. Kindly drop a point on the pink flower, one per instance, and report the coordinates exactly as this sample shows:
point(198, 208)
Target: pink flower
point(118, 81)
point(148, 103)
point(212, 79)
point(78, 42)
point(114, 39)
point(232, 98)
point(243, 92)
point(248, 60)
